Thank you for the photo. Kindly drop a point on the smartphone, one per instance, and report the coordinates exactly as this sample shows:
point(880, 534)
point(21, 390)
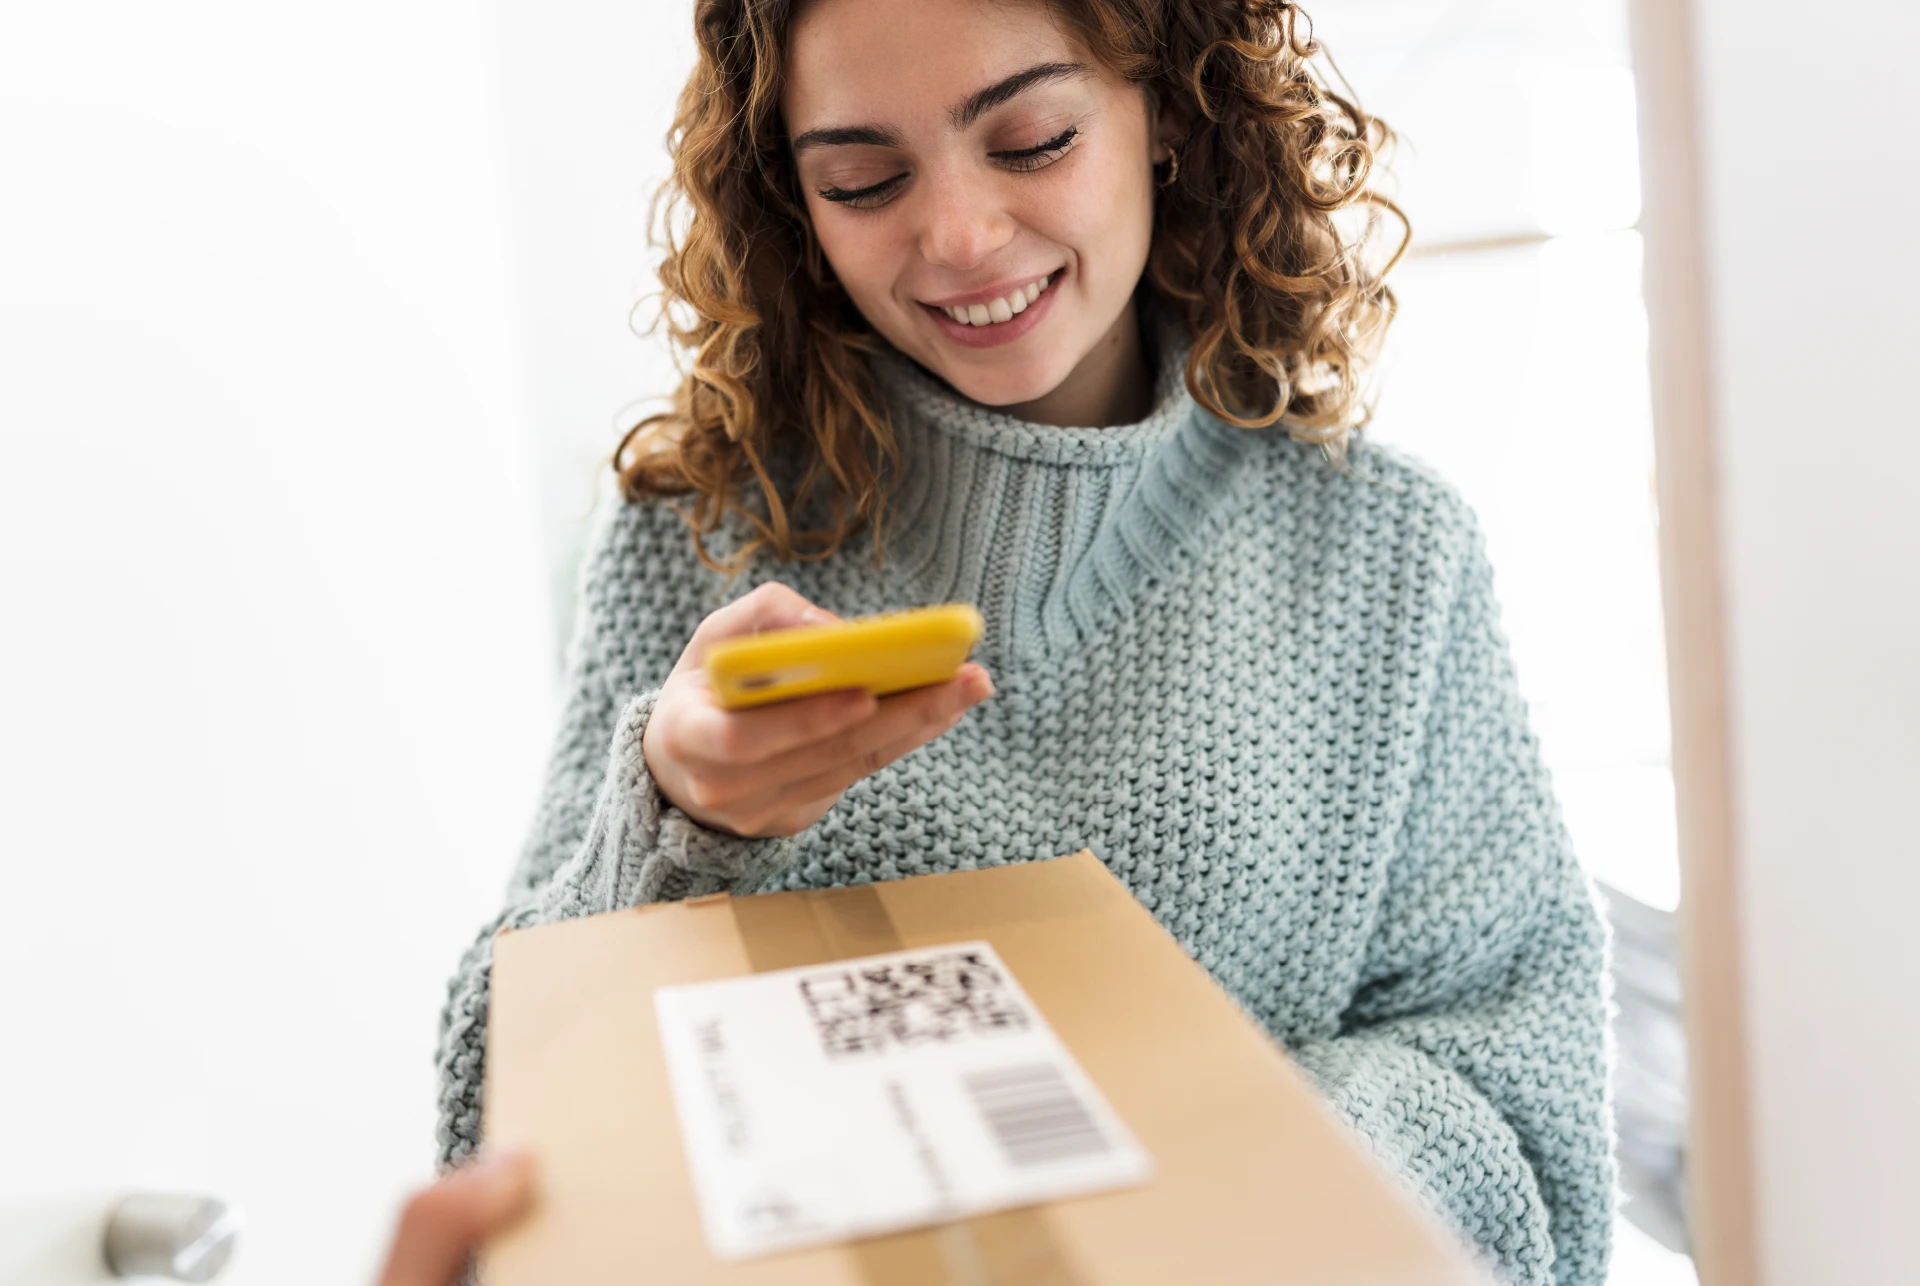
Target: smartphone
point(887, 653)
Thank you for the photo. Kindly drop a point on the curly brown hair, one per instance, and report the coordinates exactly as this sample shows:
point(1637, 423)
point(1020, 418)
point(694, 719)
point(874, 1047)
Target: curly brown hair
point(1255, 249)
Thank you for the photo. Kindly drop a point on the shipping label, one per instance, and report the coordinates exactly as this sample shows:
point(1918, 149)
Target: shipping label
point(841, 1100)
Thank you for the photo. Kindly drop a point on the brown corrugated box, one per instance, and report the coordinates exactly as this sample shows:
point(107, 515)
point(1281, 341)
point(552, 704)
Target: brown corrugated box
point(1255, 1181)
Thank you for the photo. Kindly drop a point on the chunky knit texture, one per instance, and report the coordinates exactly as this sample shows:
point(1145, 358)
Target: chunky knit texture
point(1271, 695)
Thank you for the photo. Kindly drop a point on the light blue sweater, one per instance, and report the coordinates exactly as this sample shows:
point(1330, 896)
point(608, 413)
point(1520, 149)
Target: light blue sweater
point(1272, 696)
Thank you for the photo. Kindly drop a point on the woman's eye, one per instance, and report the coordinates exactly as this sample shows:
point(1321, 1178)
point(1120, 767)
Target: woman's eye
point(866, 198)
point(1021, 159)
point(1040, 154)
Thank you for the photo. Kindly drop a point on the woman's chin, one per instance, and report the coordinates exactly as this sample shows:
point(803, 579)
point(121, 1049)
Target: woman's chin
point(1001, 378)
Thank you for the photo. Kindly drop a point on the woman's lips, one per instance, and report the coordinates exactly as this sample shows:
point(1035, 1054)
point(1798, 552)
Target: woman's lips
point(995, 333)
point(983, 308)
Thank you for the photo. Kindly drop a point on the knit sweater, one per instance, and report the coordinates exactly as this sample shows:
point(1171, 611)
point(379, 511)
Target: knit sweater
point(1270, 694)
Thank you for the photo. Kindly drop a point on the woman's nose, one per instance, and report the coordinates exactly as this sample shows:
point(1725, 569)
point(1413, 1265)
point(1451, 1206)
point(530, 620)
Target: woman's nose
point(964, 223)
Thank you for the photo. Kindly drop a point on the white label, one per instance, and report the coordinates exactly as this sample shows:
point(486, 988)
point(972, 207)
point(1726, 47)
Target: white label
point(865, 1096)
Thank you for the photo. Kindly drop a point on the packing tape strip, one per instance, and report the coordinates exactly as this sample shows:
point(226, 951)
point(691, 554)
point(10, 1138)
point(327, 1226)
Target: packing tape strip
point(1005, 1248)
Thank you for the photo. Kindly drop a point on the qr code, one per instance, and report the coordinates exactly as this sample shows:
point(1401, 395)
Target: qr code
point(923, 1000)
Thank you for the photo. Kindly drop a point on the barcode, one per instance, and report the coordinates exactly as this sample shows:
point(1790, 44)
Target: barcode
point(1035, 1114)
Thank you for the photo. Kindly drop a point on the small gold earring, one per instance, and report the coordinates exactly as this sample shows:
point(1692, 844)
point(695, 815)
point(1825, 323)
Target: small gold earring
point(1173, 166)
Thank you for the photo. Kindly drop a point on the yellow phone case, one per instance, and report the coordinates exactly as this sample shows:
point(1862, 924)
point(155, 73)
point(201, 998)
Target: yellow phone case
point(887, 653)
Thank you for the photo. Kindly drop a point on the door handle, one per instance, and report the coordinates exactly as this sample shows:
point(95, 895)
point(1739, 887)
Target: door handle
point(153, 1234)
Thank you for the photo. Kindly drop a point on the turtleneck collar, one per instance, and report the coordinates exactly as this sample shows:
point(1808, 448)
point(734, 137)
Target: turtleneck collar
point(1051, 532)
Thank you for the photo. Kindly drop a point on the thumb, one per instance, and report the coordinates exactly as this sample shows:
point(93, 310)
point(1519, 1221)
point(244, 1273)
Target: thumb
point(772, 606)
point(443, 1225)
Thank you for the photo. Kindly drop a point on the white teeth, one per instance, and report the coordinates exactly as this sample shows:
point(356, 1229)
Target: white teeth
point(999, 310)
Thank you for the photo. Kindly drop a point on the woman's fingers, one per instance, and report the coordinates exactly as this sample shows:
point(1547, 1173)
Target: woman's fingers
point(830, 783)
point(743, 770)
point(902, 723)
point(776, 744)
point(733, 739)
point(772, 606)
point(923, 712)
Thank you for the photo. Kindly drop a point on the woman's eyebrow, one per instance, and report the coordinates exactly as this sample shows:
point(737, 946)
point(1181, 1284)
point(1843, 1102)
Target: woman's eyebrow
point(1011, 86)
point(847, 136)
point(977, 104)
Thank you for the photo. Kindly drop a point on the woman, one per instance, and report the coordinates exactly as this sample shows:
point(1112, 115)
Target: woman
point(1057, 308)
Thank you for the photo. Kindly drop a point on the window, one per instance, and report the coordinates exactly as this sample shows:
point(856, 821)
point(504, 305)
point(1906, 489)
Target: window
point(1517, 368)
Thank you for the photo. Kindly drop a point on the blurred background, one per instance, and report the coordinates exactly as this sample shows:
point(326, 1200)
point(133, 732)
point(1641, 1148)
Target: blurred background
point(316, 336)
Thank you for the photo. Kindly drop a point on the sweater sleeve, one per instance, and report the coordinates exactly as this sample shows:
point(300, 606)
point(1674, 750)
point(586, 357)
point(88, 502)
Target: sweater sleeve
point(603, 837)
point(1472, 1056)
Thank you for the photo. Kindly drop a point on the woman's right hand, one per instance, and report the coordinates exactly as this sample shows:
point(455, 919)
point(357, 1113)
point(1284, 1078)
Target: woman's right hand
point(777, 769)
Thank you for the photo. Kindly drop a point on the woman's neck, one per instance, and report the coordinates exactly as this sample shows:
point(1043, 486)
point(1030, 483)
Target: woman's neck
point(1111, 385)
point(1051, 530)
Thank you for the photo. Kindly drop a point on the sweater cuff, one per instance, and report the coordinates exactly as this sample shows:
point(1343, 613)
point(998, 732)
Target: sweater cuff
point(661, 854)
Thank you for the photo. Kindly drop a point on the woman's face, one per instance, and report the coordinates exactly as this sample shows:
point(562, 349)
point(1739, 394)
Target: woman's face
point(982, 188)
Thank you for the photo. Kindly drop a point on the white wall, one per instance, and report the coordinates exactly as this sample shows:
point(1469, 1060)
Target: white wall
point(276, 666)
point(1810, 128)
point(586, 93)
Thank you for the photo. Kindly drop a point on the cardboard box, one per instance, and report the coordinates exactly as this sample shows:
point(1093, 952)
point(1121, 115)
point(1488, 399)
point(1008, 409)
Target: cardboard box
point(1255, 1181)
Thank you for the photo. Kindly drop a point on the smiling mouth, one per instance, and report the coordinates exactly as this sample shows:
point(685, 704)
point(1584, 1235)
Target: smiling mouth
point(1005, 308)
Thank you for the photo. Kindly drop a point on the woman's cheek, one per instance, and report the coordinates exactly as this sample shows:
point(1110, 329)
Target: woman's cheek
point(857, 253)
point(1105, 216)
